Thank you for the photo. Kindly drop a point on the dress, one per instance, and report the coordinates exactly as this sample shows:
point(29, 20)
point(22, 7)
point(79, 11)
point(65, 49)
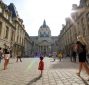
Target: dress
point(41, 65)
point(82, 54)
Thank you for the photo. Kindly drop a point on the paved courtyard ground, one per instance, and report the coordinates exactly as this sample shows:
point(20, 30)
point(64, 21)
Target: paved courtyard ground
point(55, 73)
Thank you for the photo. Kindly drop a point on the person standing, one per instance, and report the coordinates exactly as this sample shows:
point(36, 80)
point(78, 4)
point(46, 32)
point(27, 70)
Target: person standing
point(19, 57)
point(6, 58)
point(60, 55)
point(1, 54)
point(74, 56)
point(73, 52)
point(81, 50)
point(41, 65)
point(54, 55)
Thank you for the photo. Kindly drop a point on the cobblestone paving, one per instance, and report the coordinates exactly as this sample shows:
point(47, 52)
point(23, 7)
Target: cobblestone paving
point(55, 73)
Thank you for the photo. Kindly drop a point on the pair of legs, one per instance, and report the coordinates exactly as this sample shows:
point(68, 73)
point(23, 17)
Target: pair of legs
point(54, 59)
point(81, 65)
point(60, 58)
point(19, 59)
point(41, 72)
point(74, 58)
point(71, 58)
point(6, 63)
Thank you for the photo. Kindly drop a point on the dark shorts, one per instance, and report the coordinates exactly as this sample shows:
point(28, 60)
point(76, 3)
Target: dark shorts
point(82, 57)
point(18, 56)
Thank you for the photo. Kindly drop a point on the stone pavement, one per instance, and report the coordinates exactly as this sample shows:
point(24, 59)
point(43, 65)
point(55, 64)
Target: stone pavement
point(55, 73)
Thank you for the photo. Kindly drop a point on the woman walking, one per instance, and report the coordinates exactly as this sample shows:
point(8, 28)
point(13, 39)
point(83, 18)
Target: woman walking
point(81, 50)
point(6, 58)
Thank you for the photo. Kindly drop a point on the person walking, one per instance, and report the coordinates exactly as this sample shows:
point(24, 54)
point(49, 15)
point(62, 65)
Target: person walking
point(1, 54)
point(60, 55)
point(19, 57)
point(73, 53)
point(74, 56)
point(6, 58)
point(54, 55)
point(41, 65)
point(81, 50)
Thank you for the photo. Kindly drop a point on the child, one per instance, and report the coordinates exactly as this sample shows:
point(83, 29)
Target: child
point(41, 65)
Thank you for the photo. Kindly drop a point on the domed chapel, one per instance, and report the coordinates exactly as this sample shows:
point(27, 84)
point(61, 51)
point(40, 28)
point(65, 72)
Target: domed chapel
point(44, 43)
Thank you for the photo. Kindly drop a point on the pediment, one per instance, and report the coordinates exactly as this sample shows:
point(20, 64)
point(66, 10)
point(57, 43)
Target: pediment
point(44, 42)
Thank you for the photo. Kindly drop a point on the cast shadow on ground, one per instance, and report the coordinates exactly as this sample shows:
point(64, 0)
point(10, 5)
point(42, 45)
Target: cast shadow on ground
point(84, 81)
point(34, 80)
point(1, 69)
point(52, 61)
point(63, 65)
point(11, 63)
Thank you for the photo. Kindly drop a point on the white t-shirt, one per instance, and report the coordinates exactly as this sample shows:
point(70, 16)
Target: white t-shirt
point(6, 56)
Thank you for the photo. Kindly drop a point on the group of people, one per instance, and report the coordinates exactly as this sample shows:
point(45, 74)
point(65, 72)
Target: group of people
point(55, 55)
point(78, 49)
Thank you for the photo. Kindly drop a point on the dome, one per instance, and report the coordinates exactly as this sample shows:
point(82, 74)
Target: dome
point(44, 30)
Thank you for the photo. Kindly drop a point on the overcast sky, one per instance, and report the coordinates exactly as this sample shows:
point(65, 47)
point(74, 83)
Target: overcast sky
point(33, 13)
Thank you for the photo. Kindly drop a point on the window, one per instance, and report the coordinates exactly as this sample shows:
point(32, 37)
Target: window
point(20, 40)
point(0, 27)
point(12, 36)
point(87, 4)
point(0, 10)
point(17, 38)
point(6, 15)
point(46, 34)
point(7, 32)
point(87, 16)
point(41, 35)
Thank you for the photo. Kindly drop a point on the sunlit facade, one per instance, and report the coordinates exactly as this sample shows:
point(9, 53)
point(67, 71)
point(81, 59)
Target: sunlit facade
point(76, 24)
point(12, 31)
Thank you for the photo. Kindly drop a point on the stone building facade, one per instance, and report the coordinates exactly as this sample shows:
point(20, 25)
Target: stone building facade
point(44, 43)
point(76, 24)
point(28, 46)
point(12, 30)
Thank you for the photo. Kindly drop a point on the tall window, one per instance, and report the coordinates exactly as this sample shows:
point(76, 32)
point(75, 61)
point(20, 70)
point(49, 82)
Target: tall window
point(0, 28)
point(17, 38)
point(0, 10)
point(87, 16)
point(12, 36)
point(7, 32)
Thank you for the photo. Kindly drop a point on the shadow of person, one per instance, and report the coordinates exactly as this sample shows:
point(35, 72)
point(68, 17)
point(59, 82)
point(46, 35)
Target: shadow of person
point(1, 69)
point(84, 81)
point(34, 80)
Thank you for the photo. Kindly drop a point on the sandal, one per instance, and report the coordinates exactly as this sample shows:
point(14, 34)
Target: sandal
point(78, 74)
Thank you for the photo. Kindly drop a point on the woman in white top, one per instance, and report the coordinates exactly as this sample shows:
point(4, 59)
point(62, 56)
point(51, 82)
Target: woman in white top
point(6, 58)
